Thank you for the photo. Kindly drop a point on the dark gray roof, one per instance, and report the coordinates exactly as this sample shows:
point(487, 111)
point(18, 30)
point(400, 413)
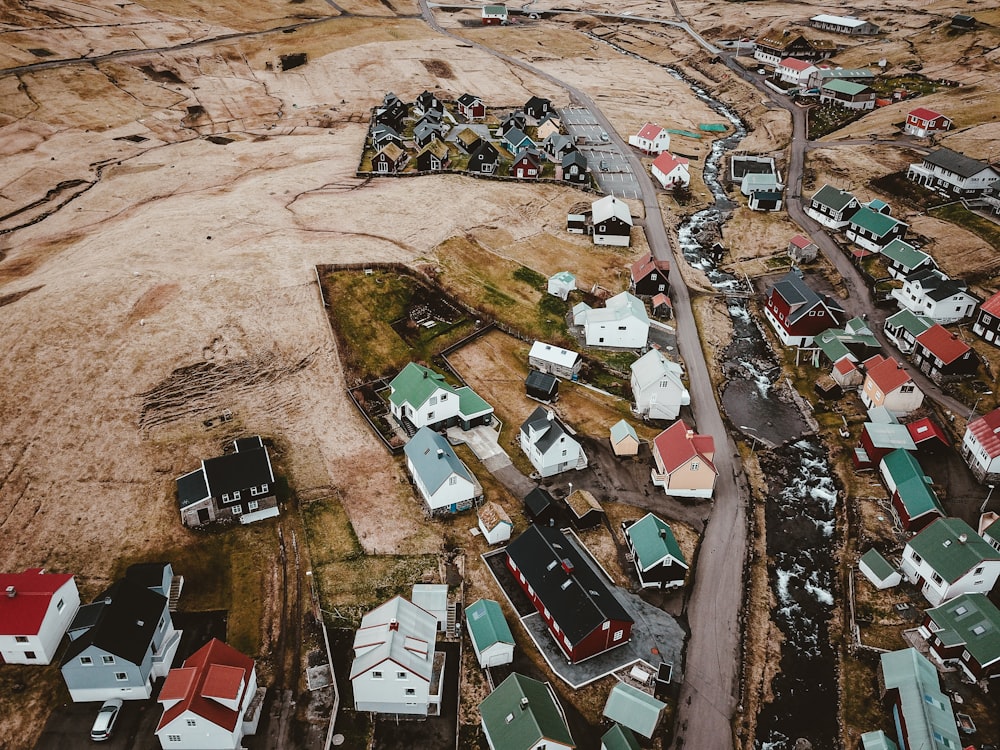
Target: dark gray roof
point(538, 501)
point(936, 285)
point(542, 381)
point(954, 162)
point(741, 166)
point(574, 157)
point(467, 100)
point(237, 471)
point(191, 488)
point(801, 297)
point(539, 420)
point(835, 198)
point(124, 625)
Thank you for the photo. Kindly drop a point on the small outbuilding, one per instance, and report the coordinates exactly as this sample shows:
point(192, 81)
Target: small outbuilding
point(801, 249)
point(584, 509)
point(490, 634)
point(540, 507)
point(882, 573)
point(555, 360)
point(562, 284)
point(624, 440)
point(634, 709)
point(541, 386)
point(494, 523)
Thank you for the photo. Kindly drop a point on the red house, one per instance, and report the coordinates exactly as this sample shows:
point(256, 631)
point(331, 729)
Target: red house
point(527, 164)
point(921, 122)
point(471, 107)
point(878, 440)
point(581, 613)
point(797, 313)
point(943, 356)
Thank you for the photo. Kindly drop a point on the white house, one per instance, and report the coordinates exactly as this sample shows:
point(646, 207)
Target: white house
point(947, 559)
point(622, 322)
point(561, 284)
point(444, 482)
point(954, 173)
point(794, 71)
point(888, 385)
point(671, 171)
point(212, 702)
point(35, 609)
point(489, 632)
point(932, 294)
point(832, 207)
point(423, 398)
point(395, 660)
point(494, 523)
point(549, 445)
point(554, 360)
point(981, 447)
point(651, 139)
point(657, 387)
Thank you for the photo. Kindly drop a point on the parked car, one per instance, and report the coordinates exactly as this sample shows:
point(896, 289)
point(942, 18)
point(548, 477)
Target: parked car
point(104, 724)
point(604, 166)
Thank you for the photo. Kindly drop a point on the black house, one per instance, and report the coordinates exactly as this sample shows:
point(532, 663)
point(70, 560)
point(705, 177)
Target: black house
point(541, 386)
point(537, 108)
point(427, 101)
point(391, 113)
point(540, 507)
point(515, 119)
point(484, 159)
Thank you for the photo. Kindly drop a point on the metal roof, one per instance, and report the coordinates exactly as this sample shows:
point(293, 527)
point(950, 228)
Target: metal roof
point(926, 711)
point(487, 625)
point(952, 161)
point(972, 621)
point(634, 709)
point(653, 541)
point(952, 548)
point(521, 713)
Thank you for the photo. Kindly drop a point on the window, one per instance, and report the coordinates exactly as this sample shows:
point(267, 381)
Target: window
point(430, 415)
point(916, 558)
point(377, 675)
point(906, 388)
point(453, 480)
point(29, 654)
point(236, 495)
point(192, 723)
point(695, 465)
point(20, 639)
point(225, 497)
point(400, 675)
point(606, 626)
point(253, 505)
point(622, 328)
point(618, 635)
point(263, 489)
point(59, 605)
point(107, 659)
point(978, 571)
point(937, 579)
point(434, 400)
point(121, 676)
point(160, 625)
point(444, 396)
point(254, 491)
point(986, 319)
point(173, 738)
point(237, 510)
point(564, 453)
point(86, 661)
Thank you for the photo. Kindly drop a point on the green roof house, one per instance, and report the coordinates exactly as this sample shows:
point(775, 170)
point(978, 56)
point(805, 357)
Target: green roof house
point(966, 631)
point(948, 559)
point(913, 500)
point(619, 738)
point(523, 714)
point(847, 94)
point(872, 230)
point(922, 713)
point(490, 635)
point(855, 341)
point(882, 573)
point(832, 207)
point(420, 397)
point(904, 327)
point(634, 709)
point(903, 259)
point(444, 482)
point(657, 556)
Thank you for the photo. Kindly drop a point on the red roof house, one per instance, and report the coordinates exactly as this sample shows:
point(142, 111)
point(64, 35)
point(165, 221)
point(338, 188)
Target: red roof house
point(927, 435)
point(942, 355)
point(981, 446)
point(36, 608)
point(651, 139)
point(683, 459)
point(888, 384)
point(987, 325)
point(921, 122)
point(649, 275)
point(670, 170)
point(206, 702)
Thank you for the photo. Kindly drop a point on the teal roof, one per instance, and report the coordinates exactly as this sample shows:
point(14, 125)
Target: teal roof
point(877, 741)
point(833, 341)
point(878, 565)
point(927, 712)
point(487, 625)
point(565, 277)
point(972, 621)
point(904, 254)
point(912, 324)
point(912, 486)
point(415, 384)
point(619, 738)
point(844, 87)
point(539, 719)
point(434, 460)
point(470, 403)
point(621, 430)
point(939, 544)
point(632, 708)
point(879, 224)
point(877, 205)
point(653, 540)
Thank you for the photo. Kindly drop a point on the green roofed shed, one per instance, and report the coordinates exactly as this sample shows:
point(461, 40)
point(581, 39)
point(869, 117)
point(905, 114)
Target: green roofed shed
point(522, 712)
point(848, 88)
point(878, 570)
point(877, 741)
point(634, 709)
point(619, 738)
point(489, 632)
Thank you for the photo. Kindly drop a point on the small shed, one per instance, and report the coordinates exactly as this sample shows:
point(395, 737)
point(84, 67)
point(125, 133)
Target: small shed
point(827, 388)
point(541, 386)
point(585, 511)
point(540, 506)
point(561, 284)
point(801, 249)
point(433, 598)
point(555, 360)
point(489, 632)
point(846, 373)
point(634, 709)
point(494, 523)
point(878, 570)
point(661, 306)
point(624, 440)
point(619, 738)
point(963, 22)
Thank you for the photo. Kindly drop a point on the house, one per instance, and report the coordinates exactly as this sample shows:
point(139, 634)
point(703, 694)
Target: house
point(382, 135)
point(903, 259)
point(764, 200)
point(624, 439)
point(432, 598)
point(657, 387)
point(954, 173)
point(391, 113)
point(887, 384)
point(922, 122)
point(843, 25)
point(211, 702)
point(622, 322)
point(962, 22)
point(855, 340)
point(561, 284)
point(513, 119)
point(981, 447)
point(538, 108)
point(549, 445)
point(541, 386)
point(931, 293)
point(432, 117)
point(36, 608)
point(619, 738)
point(658, 559)
point(797, 313)
point(555, 360)
point(847, 94)
point(671, 171)
point(825, 73)
point(965, 631)
point(794, 71)
point(468, 138)
point(947, 559)
point(119, 644)
point(928, 436)
point(527, 164)
point(878, 440)
point(612, 221)
point(661, 306)
point(902, 329)
point(757, 182)
point(516, 140)
point(396, 668)
point(237, 485)
point(990, 529)
point(773, 47)
point(490, 634)
point(651, 139)
point(683, 460)
point(484, 158)
point(742, 166)
point(556, 145)
point(420, 397)
point(425, 133)
point(494, 15)
point(389, 159)
point(494, 523)
point(632, 708)
point(541, 507)
point(832, 207)
point(987, 324)
point(914, 501)
point(584, 510)
point(580, 610)
point(578, 219)
point(880, 572)
point(427, 101)
point(847, 374)
point(943, 356)
point(921, 711)
point(471, 107)
point(649, 276)
point(433, 157)
point(802, 249)
point(574, 168)
point(873, 230)
point(524, 714)
point(445, 483)
point(547, 126)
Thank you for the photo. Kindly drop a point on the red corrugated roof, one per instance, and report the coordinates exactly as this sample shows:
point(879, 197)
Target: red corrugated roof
point(662, 299)
point(801, 242)
point(667, 162)
point(207, 674)
point(844, 365)
point(888, 374)
point(924, 114)
point(926, 429)
point(794, 64)
point(942, 343)
point(985, 430)
point(992, 305)
point(649, 131)
point(23, 613)
point(677, 445)
point(646, 265)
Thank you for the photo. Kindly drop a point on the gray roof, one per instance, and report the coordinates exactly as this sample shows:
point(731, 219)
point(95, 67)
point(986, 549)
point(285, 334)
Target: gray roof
point(551, 429)
point(952, 161)
point(398, 630)
point(927, 711)
point(891, 435)
point(835, 198)
point(434, 459)
point(634, 709)
point(801, 297)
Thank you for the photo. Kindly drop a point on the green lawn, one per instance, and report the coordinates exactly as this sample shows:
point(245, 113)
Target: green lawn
point(958, 214)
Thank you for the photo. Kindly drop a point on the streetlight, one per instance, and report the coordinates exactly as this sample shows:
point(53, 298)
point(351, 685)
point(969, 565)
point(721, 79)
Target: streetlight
point(982, 508)
point(973, 412)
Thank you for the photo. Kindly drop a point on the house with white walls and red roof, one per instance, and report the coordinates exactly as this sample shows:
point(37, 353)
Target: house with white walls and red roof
point(36, 608)
point(651, 139)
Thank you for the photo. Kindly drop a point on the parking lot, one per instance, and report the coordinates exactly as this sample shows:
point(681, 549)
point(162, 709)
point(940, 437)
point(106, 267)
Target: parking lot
point(608, 164)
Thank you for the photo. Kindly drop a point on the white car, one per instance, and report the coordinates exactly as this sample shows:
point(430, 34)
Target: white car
point(104, 724)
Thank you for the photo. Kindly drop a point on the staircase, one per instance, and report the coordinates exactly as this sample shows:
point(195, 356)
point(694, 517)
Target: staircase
point(176, 584)
point(452, 619)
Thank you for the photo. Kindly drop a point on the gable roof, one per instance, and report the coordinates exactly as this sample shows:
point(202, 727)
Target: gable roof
point(646, 264)
point(214, 671)
point(580, 601)
point(397, 630)
point(926, 710)
point(492, 514)
point(653, 541)
point(876, 223)
point(574, 157)
point(800, 242)
point(677, 445)
point(619, 738)
point(912, 486)
point(487, 625)
point(910, 322)
point(667, 162)
point(633, 708)
point(889, 435)
point(936, 285)
point(237, 471)
point(848, 88)
point(952, 161)
point(832, 197)
point(887, 373)
point(878, 565)
point(653, 366)
point(546, 427)
point(415, 384)
point(972, 621)
point(23, 613)
point(986, 430)
point(926, 429)
point(554, 354)
point(649, 131)
point(582, 502)
point(801, 297)
point(530, 153)
point(942, 547)
point(609, 206)
point(992, 305)
point(124, 620)
point(922, 113)
point(795, 64)
point(905, 254)
point(619, 307)
point(943, 344)
point(836, 343)
point(621, 430)
point(434, 460)
point(468, 100)
point(522, 712)
point(538, 500)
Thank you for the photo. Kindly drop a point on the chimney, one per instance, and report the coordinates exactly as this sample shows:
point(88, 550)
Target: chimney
point(11, 592)
point(963, 538)
point(663, 533)
point(550, 415)
point(139, 623)
point(524, 703)
point(393, 624)
point(440, 453)
point(690, 435)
